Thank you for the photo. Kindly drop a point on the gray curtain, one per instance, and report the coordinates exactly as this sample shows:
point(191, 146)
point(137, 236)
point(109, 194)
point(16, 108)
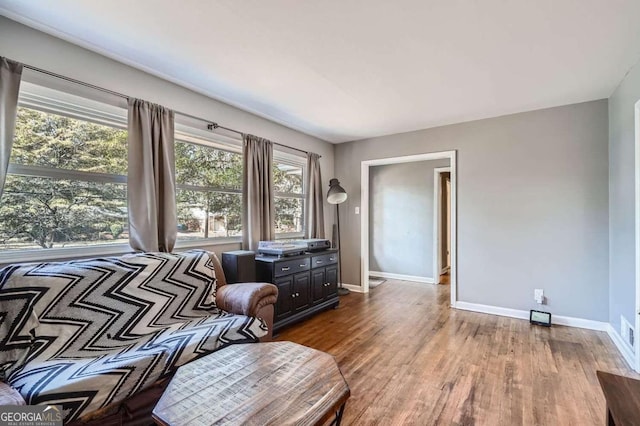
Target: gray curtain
point(314, 215)
point(151, 182)
point(258, 215)
point(10, 76)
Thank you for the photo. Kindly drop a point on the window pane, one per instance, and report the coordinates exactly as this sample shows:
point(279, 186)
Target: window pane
point(53, 213)
point(287, 178)
point(205, 166)
point(45, 139)
point(208, 214)
point(288, 214)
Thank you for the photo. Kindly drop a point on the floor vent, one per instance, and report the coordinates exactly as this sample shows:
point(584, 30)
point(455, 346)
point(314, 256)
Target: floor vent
point(627, 332)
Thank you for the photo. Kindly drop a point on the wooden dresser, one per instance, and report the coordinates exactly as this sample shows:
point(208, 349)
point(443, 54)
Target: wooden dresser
point(307, 284)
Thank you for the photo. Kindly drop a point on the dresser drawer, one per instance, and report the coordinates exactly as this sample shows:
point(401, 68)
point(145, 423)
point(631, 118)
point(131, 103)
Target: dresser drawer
point(324, 260)
point(291, 266)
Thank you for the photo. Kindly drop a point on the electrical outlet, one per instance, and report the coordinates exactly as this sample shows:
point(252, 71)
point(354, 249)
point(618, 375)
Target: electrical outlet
point(357, 210)
point(538, 295)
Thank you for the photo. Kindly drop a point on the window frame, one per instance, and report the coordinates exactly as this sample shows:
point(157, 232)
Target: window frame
point(187, 134)
point(73, 103)
point(282, 157)
point(190, 134)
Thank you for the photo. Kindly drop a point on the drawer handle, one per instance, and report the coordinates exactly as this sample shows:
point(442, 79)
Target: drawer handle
point(286, 268)
point(318, 261)
point(293, 295)
point(297, 294)
point(332, 258)
point(302, 265)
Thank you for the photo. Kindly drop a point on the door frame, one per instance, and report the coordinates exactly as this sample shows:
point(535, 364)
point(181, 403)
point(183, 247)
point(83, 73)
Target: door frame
point(636, 111)
point(364, 219)
point(437, 221)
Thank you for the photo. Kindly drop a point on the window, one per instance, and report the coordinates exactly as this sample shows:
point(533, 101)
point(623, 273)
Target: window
point(288, 182)
point(209, 189)
point(66, 185)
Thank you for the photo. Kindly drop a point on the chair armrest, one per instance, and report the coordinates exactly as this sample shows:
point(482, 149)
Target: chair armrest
point(246, 298)
point(10, 396)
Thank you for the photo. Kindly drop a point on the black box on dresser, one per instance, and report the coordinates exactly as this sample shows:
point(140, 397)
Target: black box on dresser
point(239, 266)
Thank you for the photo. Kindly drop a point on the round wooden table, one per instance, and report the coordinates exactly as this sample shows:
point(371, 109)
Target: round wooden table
point(275, 383)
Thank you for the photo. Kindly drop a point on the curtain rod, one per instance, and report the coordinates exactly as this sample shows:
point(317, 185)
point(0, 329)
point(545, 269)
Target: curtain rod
point(211, 125)
point(73, 80)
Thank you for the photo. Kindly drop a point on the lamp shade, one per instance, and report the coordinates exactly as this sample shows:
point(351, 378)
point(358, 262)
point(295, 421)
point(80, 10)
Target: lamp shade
point(336, 194)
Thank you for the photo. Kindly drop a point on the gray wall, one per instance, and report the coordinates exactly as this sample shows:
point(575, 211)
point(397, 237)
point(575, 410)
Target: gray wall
point(401, 218)
point(532, 205)
point(35, 48)
point(622, 199)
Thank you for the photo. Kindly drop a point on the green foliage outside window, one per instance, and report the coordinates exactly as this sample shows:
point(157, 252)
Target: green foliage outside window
point(288, 179)
point(214, 209)
point(51, 212)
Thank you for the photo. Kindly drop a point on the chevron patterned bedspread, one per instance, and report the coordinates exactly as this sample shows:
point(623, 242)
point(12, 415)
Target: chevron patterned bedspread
point(88, 333)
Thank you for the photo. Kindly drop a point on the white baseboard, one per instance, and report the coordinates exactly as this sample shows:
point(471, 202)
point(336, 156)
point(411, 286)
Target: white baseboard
point(520, 314)
point(625, 350)
point(493, 310)
point(402, 277)
point(353, 287)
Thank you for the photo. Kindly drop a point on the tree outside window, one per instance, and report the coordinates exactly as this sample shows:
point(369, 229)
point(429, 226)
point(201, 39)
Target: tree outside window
point(209, 196)
point(66, 184)
point(289, 197)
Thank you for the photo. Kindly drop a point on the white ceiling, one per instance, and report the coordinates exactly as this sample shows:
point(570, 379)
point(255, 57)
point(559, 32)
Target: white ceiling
point(350, 69)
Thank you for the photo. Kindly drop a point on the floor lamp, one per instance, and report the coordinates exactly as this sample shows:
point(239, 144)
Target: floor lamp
point(337, 195)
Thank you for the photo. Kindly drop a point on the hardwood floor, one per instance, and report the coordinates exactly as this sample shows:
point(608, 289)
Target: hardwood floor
point(410, 359)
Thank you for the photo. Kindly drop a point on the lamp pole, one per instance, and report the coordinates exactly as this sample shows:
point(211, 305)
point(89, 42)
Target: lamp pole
point(337, 195)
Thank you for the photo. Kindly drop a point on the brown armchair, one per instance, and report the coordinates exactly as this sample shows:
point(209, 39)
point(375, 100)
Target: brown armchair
point(250, 299)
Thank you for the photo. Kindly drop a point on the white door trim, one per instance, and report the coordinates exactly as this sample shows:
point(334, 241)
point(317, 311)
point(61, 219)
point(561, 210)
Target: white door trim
point(364, 218)
point(437, 221)
point(637, 234)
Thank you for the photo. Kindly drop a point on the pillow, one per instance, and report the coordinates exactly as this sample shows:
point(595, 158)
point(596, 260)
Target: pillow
point(174, 272)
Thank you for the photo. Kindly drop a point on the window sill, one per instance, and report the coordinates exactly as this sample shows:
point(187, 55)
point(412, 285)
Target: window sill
point(62, 254)
point(186, 244)
point(71, 253)
point(289, 235)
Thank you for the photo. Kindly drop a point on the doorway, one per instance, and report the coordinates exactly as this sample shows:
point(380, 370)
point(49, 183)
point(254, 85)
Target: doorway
point(442, 225)
point(364, 221)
